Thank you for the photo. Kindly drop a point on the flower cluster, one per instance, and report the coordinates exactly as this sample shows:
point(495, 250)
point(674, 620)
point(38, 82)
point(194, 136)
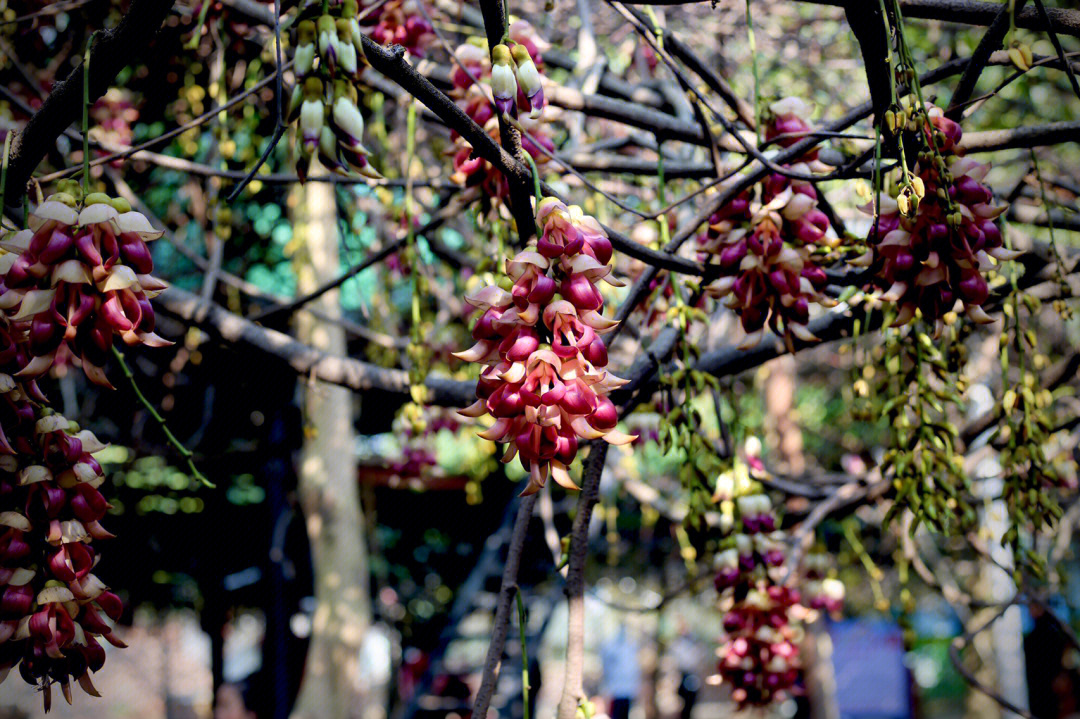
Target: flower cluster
point(515, 81)
point(53, 609)
point(398, 22)
point(329, 58)
point(76, 278)
point(765, 239)
point(544, 381)
point(935, 233)
point(759, 655)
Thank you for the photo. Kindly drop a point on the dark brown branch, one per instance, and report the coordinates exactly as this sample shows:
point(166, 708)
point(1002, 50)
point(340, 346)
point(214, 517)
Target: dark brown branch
point(501, 623)
point(866, 21)
point(1021, 137)
point(991, 41)
point(1045, 17)
point(573, 691)
point(969, 12)
point(112, 51)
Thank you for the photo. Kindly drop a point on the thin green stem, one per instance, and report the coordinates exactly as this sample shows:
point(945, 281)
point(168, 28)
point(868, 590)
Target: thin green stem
point(86, 115)
point(661, 193)
point(524, 656)
point(196, 34)
point(536, 178)
point(176, 444)
point(657, 30)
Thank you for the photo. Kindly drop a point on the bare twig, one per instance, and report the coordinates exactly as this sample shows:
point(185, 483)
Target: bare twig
point(573, 690)
point(501, 623)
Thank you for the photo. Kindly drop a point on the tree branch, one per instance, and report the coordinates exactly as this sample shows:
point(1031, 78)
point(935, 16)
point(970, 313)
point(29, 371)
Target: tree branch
point(991, 41)
point(573, 691)
point(112, 51)
point(501, 623)
point(225, 326)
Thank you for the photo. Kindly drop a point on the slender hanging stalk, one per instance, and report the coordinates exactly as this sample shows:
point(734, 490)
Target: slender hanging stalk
point(536, 178)
point(86, 115)
point(183, 451)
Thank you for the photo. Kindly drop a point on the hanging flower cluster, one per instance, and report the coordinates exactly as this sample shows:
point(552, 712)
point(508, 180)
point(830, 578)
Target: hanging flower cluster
point(398, 22)
point(76, 278)
point(328, 60)
point(759, 655)
point(935, 233)
point(765, 241)
point(515, 81)
point(53, 609)
point(544, 381)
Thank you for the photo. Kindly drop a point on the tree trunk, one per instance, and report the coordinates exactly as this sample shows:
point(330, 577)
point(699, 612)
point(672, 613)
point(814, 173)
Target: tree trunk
point(329, 495)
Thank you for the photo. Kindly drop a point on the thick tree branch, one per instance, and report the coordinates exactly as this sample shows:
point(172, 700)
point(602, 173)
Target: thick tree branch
point(967, 12)
point(866, 21)
point(223, 325)
point(112, 51)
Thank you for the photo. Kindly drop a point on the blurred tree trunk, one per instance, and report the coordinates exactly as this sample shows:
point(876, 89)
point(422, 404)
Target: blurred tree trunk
point(782, 429)
point(328, 491)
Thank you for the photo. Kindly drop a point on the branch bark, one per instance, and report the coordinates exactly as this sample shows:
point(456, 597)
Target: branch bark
point(306, 360)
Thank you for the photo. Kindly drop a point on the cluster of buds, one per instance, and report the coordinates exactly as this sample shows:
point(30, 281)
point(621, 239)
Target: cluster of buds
point(513, 71)
point(935, 232)
point(328, 60)
point(53, 609)
point(759, 655)
point(398, 22)
point(515, 81)
point(765, 240)
point(76, 278)
point(544, 380)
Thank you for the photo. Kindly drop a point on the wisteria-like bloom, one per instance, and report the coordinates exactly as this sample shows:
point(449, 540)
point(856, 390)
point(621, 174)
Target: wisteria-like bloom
point(759, 654)
point(934, 238)
point(53, 609)
point(544, 381)
point(78, 277)
point(515, 82)
point(765, 239)
point(328, 60)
